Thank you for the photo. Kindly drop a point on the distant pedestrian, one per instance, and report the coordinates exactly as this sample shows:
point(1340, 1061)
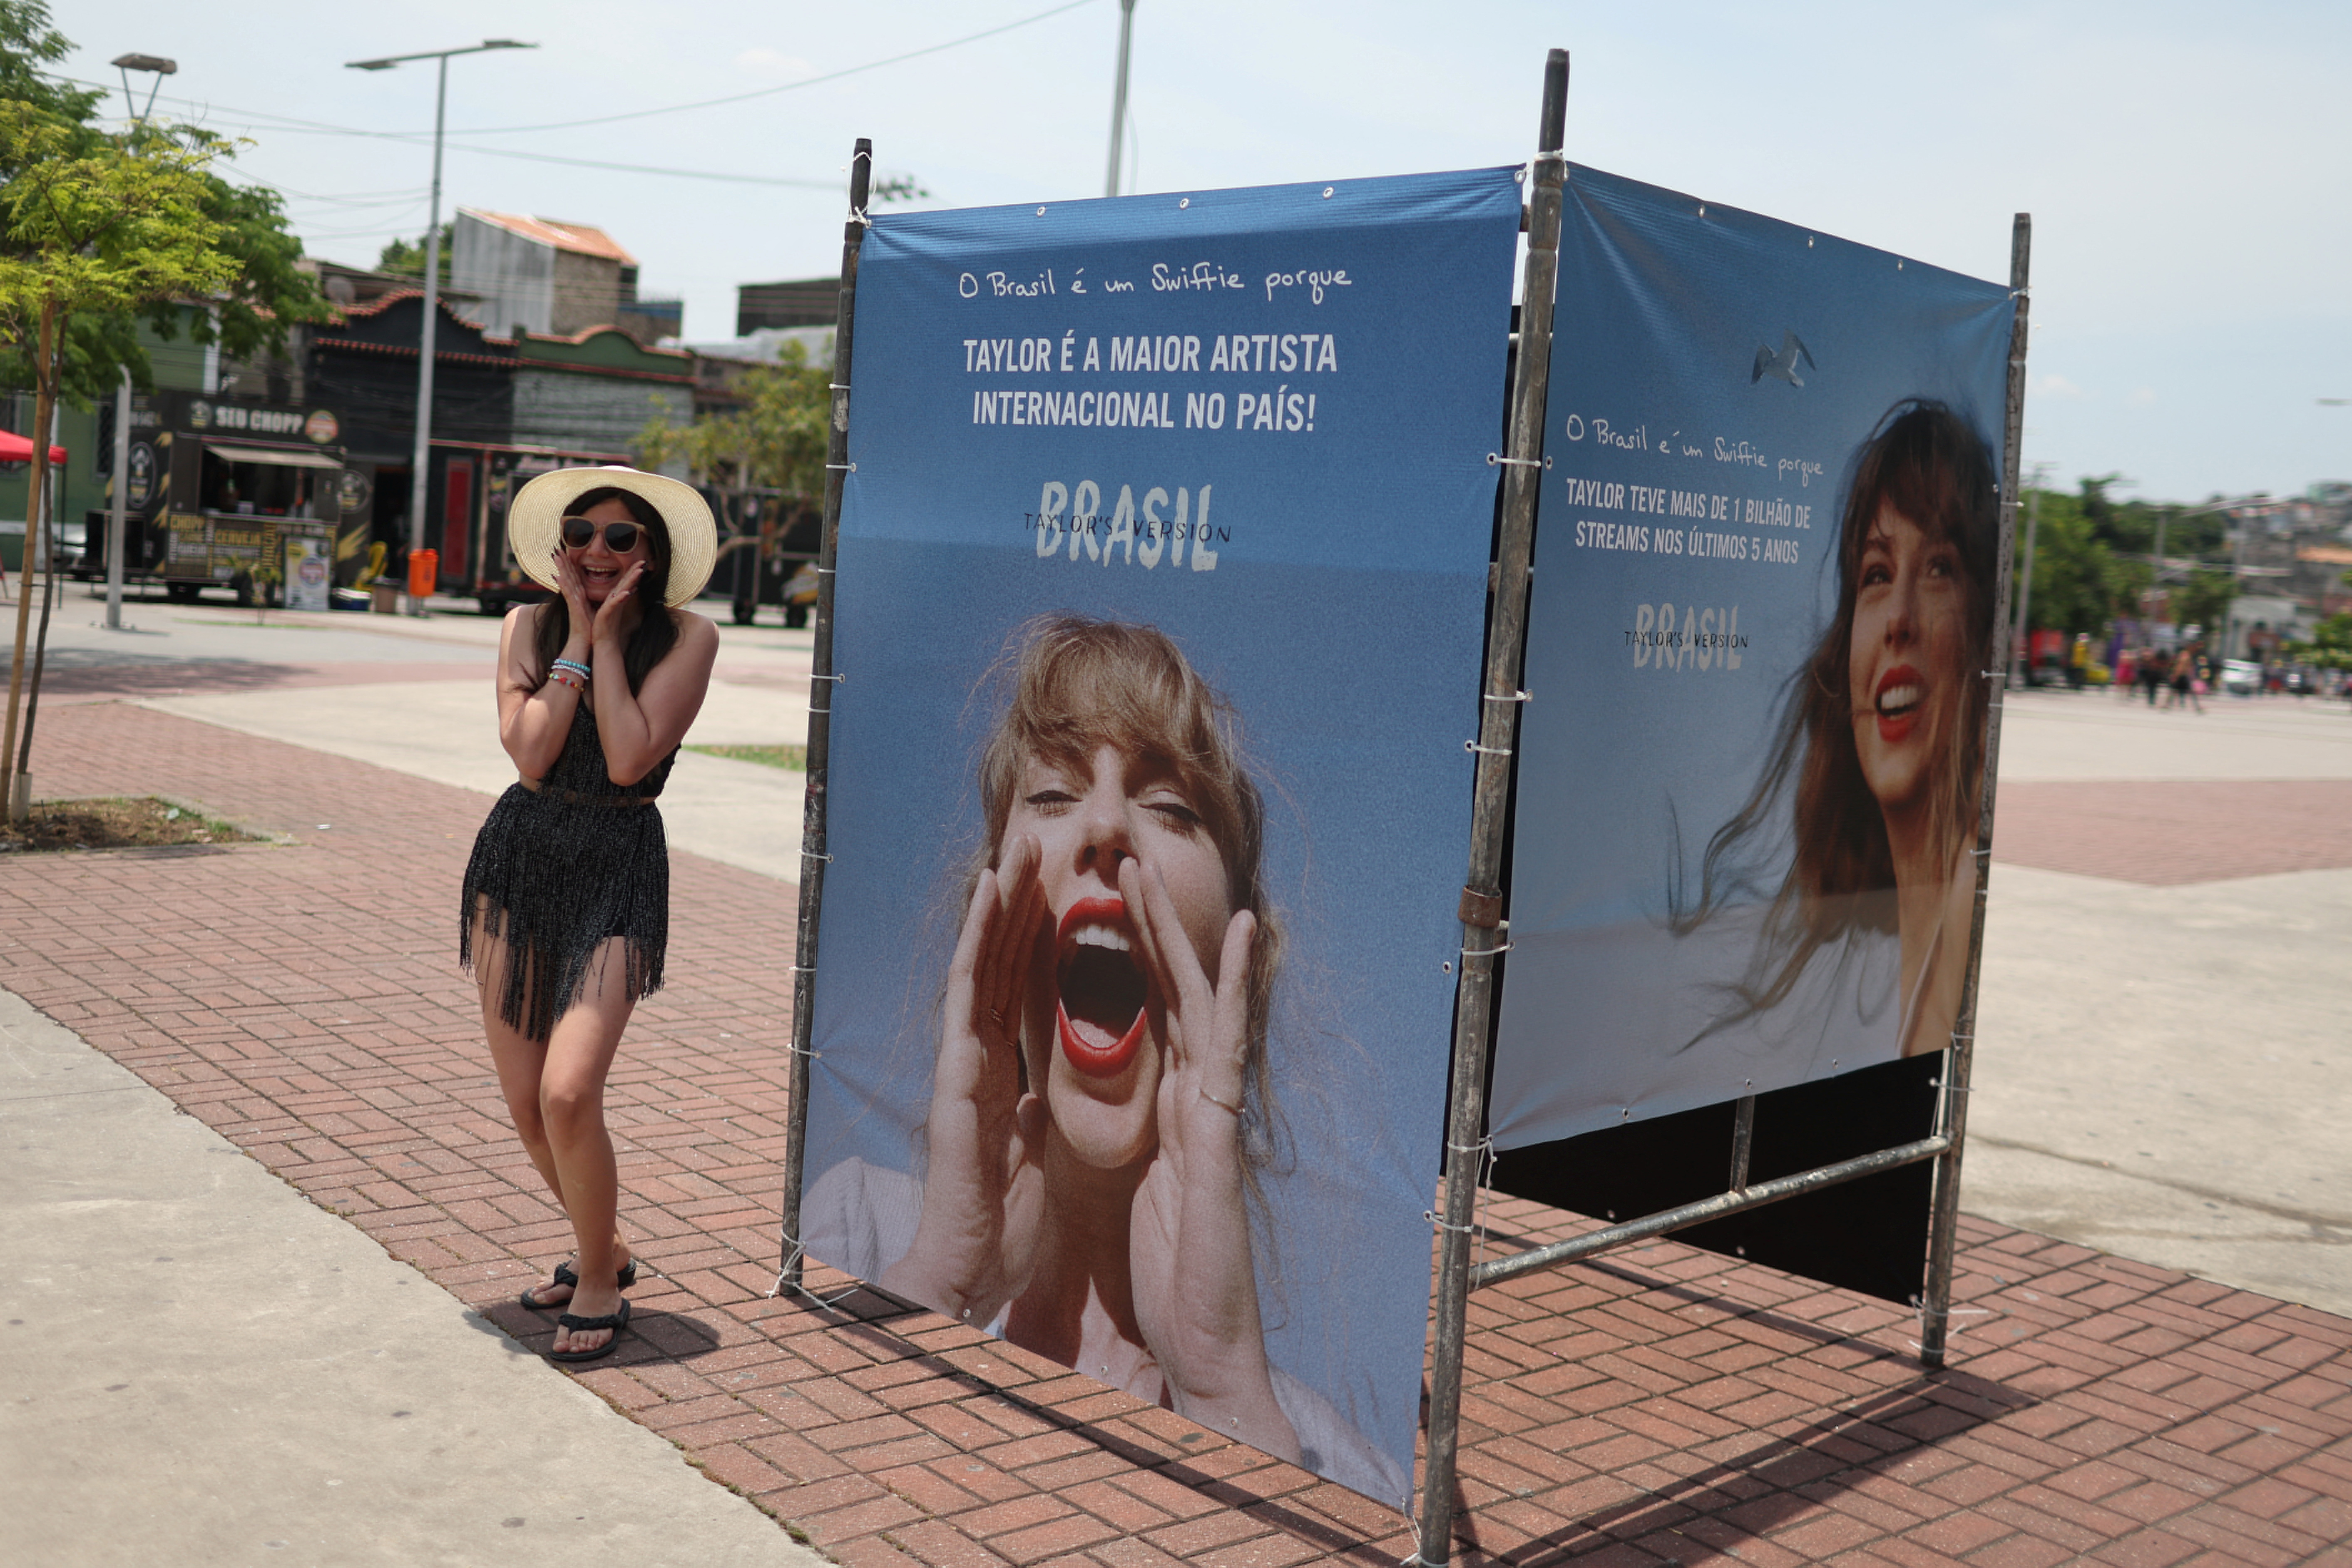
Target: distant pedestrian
point(2184, 682)
point(2151, 673)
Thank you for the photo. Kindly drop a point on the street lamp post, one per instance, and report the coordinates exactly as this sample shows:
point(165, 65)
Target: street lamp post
point(416, 479)
point(1119, 94)
point(118, 509)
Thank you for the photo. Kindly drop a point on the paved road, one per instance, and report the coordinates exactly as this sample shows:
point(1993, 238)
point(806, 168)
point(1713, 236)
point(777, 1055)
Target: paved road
point(414, 694)
point(2163, 1050)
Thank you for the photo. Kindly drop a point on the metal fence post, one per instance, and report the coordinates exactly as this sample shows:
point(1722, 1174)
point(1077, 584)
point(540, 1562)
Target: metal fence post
point(823, 683)
point(1482, 922)
point(1943, 1224)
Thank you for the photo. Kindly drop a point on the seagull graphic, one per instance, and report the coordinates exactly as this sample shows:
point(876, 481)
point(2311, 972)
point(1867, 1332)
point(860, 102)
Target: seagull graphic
point(1784, 364)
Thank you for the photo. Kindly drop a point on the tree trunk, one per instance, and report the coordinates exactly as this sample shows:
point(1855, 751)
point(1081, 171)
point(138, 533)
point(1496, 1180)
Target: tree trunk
point(45, 381)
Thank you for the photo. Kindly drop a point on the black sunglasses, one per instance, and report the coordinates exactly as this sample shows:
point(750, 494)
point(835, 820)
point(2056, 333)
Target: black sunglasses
point(620, 538)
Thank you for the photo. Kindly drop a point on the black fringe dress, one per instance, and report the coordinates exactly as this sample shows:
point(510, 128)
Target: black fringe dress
point(559, 871)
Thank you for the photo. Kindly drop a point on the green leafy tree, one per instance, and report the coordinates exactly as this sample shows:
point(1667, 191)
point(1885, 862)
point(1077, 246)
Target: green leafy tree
point(405, 258)
point(87, 228)
point(776, 439)
point(2330, 644)
point(2204, 600)
point(247, 315)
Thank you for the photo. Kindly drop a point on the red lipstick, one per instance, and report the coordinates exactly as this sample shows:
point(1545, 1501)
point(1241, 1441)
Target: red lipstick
point(1110, 1057)
point(1896, 722)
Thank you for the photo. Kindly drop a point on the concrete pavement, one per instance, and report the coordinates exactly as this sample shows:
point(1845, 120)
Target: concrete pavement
point(206, 1368)
point(2162, 1070)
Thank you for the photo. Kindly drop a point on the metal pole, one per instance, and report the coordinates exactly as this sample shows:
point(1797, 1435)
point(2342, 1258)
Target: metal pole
point(1118, 95)
point(1743, 1141)
point(2025, 589)
point(1944, 1217)
point(416, 479)
point(117, 513)
point(1666, 1221)
point(823, 683)
point(1481, 898)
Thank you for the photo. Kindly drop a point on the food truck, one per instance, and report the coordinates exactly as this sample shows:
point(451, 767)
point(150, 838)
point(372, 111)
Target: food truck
point(238, 493)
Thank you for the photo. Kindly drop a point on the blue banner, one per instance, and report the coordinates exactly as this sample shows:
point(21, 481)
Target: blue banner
point(1161, 574)
point(1765, 574)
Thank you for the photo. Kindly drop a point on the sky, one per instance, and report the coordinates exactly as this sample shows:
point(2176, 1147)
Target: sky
point(2187, 167)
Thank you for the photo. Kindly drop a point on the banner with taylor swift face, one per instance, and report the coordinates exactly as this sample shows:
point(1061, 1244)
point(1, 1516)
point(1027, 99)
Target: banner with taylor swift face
point(1765, 578)
point(1162, 568)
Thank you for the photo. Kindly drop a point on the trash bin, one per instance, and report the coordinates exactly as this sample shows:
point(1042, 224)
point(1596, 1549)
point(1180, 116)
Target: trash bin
point(424, 574)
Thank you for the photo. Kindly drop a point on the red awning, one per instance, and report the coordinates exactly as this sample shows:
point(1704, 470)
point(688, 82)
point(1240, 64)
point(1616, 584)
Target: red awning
point(19, 449)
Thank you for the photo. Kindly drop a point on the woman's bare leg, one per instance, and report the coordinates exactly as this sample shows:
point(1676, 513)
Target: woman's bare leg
point(571, 1109)
point(522, 1064)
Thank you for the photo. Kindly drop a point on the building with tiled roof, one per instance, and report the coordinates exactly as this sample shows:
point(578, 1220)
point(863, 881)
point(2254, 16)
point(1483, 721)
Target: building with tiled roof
point(550, 278)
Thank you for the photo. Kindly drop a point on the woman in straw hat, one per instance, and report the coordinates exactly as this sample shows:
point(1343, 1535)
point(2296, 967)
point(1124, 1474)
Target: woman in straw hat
point(566, 909)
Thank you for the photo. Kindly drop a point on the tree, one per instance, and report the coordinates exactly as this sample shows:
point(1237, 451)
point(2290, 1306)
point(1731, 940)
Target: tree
point(2204, 600)
point(249, 314)
point(101, 230)
point(405, 259)
point(775, 440)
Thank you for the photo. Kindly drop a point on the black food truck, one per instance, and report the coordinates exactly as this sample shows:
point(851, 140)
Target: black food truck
point(237, 493)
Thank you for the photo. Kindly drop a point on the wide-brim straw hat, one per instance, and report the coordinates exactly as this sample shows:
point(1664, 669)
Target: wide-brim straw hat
point(535, 524)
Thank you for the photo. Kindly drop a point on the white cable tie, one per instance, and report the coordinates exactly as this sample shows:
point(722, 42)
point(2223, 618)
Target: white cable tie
point(1485, 952)
point(1513, 696)
point(840, 386)
point(828, 677)
point(1430, 1216)
point(1496, 459)
point(842, 467)
point(1486, 750)
point(812, 855)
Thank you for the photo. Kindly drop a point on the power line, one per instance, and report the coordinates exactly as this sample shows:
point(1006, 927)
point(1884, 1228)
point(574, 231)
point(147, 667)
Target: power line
point(320, 128)
point(787, 87)
point(289, 124)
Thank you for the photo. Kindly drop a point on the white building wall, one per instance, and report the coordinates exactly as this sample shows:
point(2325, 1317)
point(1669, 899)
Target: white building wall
point(515, 277)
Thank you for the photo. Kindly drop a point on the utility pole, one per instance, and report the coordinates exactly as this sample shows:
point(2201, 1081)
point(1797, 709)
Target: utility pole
point(424, 451)
point(1119, 94)
point(118, 511)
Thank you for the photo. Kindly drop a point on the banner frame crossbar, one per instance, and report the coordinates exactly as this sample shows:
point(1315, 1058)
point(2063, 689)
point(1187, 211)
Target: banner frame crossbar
point(824, 679)
point(1738, 1200)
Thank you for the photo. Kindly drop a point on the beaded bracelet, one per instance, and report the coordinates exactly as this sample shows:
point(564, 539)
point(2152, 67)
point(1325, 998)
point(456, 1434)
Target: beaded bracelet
point(565, 678)
point(576, 668)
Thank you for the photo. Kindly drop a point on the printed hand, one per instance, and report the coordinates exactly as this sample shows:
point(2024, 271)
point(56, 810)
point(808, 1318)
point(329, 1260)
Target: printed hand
point(982, 1190)
point(1189, 1246)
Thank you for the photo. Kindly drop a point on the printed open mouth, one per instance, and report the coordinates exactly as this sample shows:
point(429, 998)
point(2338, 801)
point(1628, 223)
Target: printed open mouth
point(1900, 692)
point(1100, 1016)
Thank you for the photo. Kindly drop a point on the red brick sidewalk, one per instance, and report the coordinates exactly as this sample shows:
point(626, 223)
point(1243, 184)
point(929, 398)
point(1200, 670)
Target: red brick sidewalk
point(1663, 1404)
point(2167, 833)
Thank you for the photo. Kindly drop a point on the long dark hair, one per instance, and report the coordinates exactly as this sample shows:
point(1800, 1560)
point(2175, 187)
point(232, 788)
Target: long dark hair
point(656, 629)
point(1927, 463)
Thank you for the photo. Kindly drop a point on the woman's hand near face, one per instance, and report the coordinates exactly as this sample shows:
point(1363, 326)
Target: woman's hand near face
point(574, 589)
point(611, 622)
point(982, 1189)
point(1188, 1248)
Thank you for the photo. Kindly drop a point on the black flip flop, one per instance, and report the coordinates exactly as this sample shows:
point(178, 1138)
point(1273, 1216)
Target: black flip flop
point(616, 1321)
point(564, 1276)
